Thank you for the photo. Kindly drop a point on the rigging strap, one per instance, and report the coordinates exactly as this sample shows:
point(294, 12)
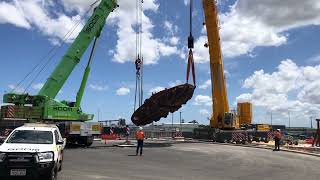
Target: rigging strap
point(190, 66)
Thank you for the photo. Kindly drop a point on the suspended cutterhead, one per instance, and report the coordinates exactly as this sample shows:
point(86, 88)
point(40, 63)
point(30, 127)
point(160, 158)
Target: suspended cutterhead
point(162, 103)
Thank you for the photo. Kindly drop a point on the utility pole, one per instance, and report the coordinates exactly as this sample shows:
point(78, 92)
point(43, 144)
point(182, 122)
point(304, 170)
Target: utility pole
point(271, 117)
point(311, 122)
point(180, 119)
point(180, 123)
point(172, 120)
point(172, 124)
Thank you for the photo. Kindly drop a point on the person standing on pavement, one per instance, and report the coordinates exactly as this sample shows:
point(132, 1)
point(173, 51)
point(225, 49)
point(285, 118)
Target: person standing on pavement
point(277, 138)
point(140, 138)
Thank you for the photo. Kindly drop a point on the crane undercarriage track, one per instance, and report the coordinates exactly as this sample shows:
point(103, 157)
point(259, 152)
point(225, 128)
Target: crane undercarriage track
point(160, 104)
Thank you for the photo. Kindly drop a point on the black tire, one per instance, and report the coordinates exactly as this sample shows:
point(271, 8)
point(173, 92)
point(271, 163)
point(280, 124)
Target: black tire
point(243, 142)
point(60, 167)
point(89, 141)
point(88, 144)
point(53, 175)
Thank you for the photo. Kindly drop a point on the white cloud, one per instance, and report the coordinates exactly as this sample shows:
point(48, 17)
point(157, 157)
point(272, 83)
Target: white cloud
point(174, 40)
point(310, 93)
point(226, 74)
point(201, 53)
point(248, 25)
point(78, 5)
point(170, 27)
point(203, 100)
point(153, 48)
point(37, 86)
point(11, 14)
point(186, 2)
point(206, 84)
point(36, 13)
point(204, 112)
point(123, 91)
point(97, 87)
point(156, 89)
point(291, 87)
point(281, 81)
point(244, 98)
point(177, 82)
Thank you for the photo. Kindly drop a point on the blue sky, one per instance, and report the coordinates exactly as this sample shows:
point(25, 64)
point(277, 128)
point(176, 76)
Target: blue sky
point(271, 57)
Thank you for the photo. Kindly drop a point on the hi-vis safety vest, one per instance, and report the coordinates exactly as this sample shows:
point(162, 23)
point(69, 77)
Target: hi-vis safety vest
point(277, 134)
point(140, 135)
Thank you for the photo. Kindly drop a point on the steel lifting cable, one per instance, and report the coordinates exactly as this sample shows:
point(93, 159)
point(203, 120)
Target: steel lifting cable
point(141, 52)
point(53, 50)
point(139, 56)
point(190, 66)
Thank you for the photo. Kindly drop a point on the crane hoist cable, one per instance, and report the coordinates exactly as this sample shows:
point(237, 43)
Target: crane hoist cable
point(139, 57)
point(190, 66)
point(50, 54)
point(160, 104)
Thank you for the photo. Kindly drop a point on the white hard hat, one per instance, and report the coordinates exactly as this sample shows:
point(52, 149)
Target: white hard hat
point(278, 130)
point(140, 128)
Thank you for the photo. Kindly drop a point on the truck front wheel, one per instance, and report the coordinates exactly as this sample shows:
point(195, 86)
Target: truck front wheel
point(53, 175)
point(89, 141)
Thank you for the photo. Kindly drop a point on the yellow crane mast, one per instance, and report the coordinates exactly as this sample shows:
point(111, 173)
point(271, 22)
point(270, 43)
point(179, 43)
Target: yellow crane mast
point(220, 106)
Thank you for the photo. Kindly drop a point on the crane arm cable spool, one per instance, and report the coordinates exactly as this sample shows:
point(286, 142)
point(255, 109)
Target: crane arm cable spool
point(139, 57)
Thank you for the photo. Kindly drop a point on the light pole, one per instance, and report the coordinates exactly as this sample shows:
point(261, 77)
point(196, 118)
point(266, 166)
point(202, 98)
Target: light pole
point(172, 120)
point(180, 123)
point(180, 119)
point(289, 118)
point(172, 125)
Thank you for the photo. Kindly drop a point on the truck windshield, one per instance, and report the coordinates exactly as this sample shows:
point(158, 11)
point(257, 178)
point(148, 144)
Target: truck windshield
point(31, 137)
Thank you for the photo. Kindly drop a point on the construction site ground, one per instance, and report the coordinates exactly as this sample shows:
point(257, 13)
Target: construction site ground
point(177, 160)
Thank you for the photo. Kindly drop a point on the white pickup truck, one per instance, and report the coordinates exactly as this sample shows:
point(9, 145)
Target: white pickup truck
point(32, 150)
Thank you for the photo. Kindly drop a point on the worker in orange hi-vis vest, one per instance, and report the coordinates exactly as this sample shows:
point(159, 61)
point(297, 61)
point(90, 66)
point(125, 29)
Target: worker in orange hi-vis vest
point(277, 138)
point(140, 138)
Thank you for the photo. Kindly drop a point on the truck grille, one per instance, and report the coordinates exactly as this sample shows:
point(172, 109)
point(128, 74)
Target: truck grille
point(20, 159)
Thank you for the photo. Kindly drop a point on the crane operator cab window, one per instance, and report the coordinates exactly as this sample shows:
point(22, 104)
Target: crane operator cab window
point(228, 118)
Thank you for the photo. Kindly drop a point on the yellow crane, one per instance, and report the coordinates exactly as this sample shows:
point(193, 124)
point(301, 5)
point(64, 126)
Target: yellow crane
point(222, 117)
point(235, 125)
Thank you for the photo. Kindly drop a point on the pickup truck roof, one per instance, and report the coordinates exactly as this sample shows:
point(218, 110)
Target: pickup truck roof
point(39, 127)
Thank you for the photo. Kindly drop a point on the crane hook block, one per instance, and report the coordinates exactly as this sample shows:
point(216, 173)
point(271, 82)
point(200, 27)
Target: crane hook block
point(190, 42)
point(160, 104)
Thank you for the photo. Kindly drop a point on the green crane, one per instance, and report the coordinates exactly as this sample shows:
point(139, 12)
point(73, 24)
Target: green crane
point(44, 107)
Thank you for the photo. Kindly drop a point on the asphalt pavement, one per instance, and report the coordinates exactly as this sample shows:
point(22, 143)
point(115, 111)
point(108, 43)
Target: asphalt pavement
point(187, 161)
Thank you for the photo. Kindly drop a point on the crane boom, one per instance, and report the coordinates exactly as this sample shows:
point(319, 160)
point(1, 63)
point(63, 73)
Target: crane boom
point(44, 106)
point(220, 99)
point(72, 57)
